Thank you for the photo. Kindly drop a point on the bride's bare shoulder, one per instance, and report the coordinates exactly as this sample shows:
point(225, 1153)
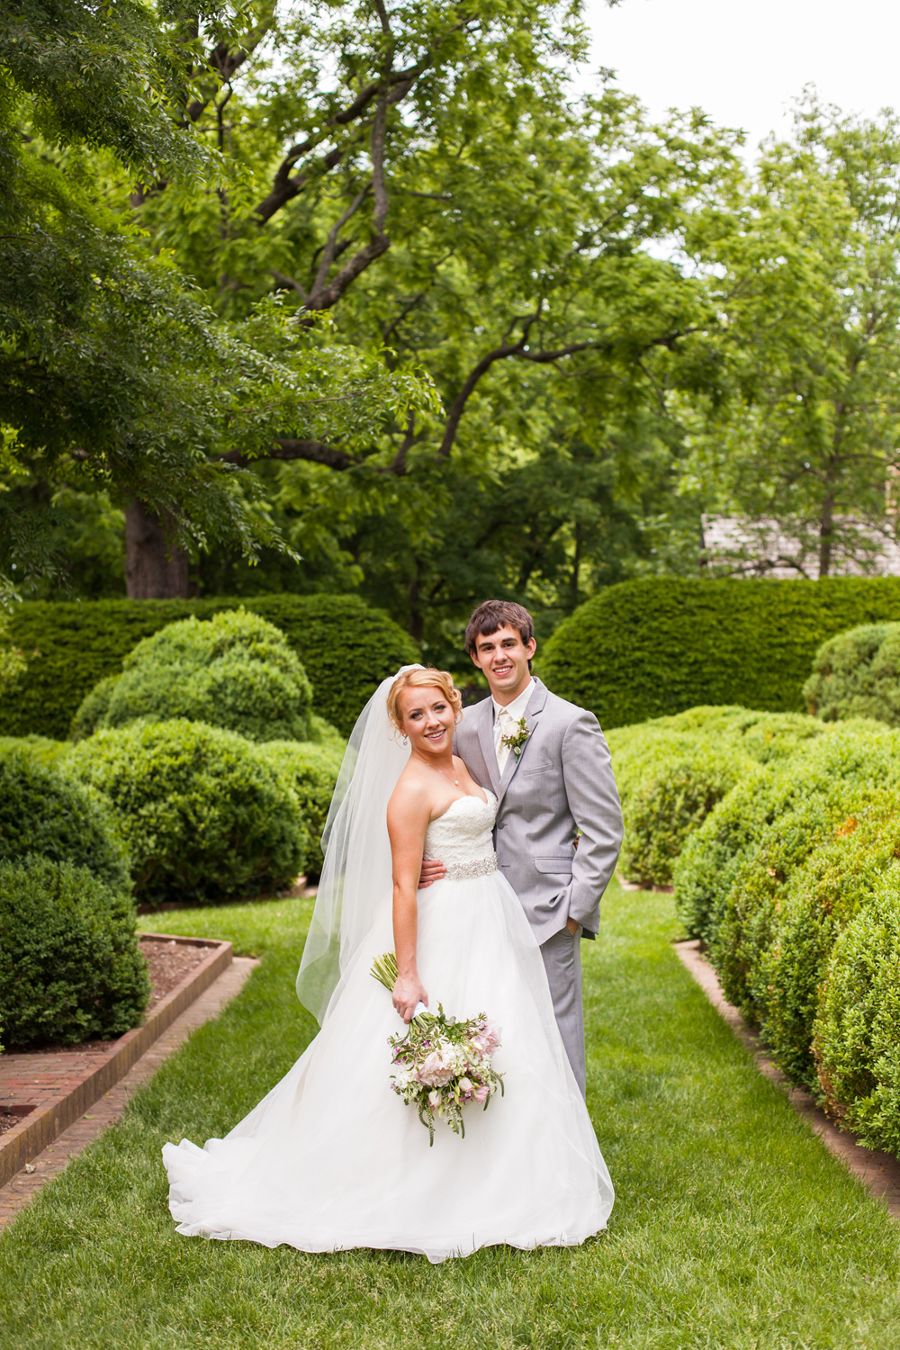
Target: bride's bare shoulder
point(414, 789)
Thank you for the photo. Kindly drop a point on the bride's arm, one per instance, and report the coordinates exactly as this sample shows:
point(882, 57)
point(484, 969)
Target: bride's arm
point(407, 817)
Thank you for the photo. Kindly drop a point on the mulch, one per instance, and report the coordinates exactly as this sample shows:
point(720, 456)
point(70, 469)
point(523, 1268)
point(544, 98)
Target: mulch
point(168, 962)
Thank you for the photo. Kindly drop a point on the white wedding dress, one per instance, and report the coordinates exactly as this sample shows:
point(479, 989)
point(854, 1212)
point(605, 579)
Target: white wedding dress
point(332, 1158)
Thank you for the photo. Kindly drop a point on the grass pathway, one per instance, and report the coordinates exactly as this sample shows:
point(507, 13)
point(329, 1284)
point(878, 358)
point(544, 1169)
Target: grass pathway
point(733, 1226)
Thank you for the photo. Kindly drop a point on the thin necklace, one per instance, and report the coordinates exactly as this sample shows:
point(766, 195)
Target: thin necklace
point(442, 772)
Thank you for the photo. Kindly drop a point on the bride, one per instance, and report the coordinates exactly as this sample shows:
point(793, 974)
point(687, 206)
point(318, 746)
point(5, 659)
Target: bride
point(332, 1158)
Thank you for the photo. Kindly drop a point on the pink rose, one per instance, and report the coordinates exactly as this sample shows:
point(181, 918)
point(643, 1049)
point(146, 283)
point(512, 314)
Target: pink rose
point(434, 1071)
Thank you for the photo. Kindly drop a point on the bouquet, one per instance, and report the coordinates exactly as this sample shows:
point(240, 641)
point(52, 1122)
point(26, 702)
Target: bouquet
point(440, 1064)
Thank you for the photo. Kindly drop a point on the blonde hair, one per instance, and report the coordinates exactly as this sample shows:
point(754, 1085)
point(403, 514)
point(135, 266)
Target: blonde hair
point(423, 677)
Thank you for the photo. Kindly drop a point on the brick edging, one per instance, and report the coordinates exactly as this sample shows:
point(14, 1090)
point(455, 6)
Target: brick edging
point(40, 1127)
point(879, 1172)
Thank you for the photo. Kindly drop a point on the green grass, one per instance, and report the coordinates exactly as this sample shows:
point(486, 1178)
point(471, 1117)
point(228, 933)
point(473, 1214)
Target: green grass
point(732, 1228)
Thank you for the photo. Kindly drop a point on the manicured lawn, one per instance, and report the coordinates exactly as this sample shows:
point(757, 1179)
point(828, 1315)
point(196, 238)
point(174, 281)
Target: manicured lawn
point(732, 1227)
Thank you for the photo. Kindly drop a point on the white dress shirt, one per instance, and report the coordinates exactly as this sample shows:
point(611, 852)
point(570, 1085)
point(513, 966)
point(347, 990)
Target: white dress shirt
point(505, 718)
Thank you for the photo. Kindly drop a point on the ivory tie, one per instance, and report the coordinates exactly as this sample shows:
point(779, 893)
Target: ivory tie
point(504, 727)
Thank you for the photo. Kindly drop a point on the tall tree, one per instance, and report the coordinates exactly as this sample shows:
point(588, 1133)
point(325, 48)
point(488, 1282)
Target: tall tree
point(809, 438)
point(114, 371)
point(422, 174)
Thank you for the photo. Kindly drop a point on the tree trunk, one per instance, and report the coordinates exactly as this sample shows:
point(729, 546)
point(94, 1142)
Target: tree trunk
point(826, 536)
point(155, 569)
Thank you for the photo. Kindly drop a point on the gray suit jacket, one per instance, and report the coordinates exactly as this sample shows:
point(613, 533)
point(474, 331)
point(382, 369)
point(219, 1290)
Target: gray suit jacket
point(560, 784)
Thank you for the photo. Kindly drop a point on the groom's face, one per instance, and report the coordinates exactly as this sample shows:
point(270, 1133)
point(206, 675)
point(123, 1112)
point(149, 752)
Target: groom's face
point(503, 658)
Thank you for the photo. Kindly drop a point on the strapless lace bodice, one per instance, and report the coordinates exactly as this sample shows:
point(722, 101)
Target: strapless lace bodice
point(461, 837)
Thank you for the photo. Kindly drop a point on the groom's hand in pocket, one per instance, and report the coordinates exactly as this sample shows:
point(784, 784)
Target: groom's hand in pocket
point(432, 870)
point(573, 927)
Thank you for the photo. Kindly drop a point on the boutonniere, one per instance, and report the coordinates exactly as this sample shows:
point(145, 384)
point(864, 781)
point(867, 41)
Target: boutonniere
point(515, 741)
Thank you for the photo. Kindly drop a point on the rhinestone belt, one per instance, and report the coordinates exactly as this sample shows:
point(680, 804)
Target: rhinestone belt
point(476, 867)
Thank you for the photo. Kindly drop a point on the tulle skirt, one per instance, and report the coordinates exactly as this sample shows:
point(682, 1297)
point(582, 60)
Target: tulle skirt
point(332, 1159)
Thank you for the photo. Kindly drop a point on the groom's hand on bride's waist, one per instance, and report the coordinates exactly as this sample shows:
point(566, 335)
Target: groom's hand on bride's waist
point(432, 870)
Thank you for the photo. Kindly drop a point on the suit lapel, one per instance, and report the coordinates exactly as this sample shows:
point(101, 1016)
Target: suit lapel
point(532, 713)
point(486, 741)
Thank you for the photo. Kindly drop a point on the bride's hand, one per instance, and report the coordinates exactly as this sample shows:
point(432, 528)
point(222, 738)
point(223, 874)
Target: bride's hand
point(408, 993)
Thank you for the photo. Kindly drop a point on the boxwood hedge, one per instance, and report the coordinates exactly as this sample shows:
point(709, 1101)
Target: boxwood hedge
point(205, 815)
point(345, 646)
point(705, 873)
point(44, 812)
point(841, 877)
point(857, 674)
point(803, 804)
point(646, 648)
point(672, 771)
point(70, 965)
point(857, 1030)
point(312, 771)
point(235, 670)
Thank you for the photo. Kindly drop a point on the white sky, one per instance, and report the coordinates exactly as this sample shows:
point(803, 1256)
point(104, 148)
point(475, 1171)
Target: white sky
point(744, 63)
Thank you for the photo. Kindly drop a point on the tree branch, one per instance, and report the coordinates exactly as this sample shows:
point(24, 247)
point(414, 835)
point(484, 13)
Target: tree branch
point(288, 448)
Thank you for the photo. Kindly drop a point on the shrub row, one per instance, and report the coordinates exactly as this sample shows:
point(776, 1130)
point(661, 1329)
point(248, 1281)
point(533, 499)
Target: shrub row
point(672, 771)
point(652, 647)
point(792, 881)
point(70, 646)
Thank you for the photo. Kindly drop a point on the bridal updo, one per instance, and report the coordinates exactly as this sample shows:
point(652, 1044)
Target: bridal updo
point(423, 677)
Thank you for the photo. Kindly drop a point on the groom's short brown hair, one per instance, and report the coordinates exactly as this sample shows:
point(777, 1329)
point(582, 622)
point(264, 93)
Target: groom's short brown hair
point(493, 614)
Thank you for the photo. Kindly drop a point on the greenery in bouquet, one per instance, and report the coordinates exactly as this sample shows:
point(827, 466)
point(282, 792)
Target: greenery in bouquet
point(441, 1064)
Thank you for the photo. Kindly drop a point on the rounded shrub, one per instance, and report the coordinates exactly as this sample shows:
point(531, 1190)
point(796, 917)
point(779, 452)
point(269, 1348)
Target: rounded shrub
point(840, 877)
point(857, 674)
point(42, 811)
point(311, 771)
point(234, 670)
point(803, 801)
point(70, 966)
point(857, 1029)
point(93, 708)
point(204, 813)
point(714, 854)
point(668, 784)
point(41, 749)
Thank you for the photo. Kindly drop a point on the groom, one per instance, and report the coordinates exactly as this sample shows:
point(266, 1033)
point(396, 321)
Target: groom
point(559, 824)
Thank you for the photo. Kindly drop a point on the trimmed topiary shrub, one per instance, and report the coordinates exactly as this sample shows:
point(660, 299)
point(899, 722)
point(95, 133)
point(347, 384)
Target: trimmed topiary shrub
point(857, 674)
point(857, 1030)
point(804, 802)
point(205, 815)
point(70, 966)
point(91, 712)
point(312, 771)
point(43, 812)
point(43, 751)
point(235, 670)
point(712, 856)
point(668, 784)
point(647, 648)
point(841, 876)
point(345, 646)
point(672, 771)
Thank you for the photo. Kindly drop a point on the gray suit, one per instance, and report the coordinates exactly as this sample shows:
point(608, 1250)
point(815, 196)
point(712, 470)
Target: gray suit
point(560, 784)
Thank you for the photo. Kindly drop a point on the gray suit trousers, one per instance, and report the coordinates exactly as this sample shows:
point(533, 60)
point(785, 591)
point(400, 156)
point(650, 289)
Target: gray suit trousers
point(562, 962)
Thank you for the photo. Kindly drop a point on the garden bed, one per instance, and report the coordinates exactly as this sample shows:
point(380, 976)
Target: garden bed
point(44, 1091)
